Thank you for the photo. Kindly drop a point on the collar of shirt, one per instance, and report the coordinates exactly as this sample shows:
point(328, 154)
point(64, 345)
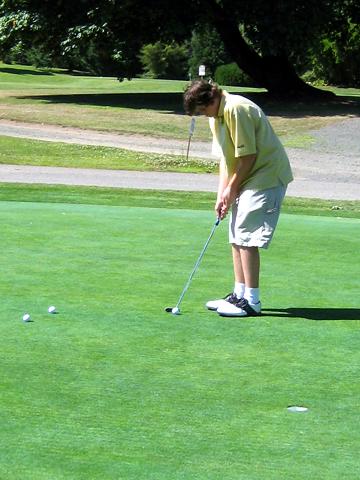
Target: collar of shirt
point(220, 114)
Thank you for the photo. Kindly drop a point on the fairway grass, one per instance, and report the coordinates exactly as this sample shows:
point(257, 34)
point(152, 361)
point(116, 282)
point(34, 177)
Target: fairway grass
point(112, 387)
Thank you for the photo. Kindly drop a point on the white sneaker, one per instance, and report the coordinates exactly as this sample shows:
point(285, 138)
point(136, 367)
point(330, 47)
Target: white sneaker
point(241, 309)
point(231, 298)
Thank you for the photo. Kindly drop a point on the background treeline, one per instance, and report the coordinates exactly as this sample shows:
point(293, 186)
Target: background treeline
point(273, 42)
point(333, 61)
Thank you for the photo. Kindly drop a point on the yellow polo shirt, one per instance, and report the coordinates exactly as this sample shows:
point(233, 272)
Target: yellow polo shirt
point(241, 128)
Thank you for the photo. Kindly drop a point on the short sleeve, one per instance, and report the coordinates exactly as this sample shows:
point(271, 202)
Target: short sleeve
point(242, 131)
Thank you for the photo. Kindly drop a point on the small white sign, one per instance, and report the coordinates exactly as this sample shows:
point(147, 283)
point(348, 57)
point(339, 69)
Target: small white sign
point(192, 126)
point(202, 71)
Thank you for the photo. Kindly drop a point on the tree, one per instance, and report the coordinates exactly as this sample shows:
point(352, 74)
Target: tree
point(207, 49)
point(153, 60)
point(164, 61)
point(276, 29)
point(336, 57)
point(264, 37)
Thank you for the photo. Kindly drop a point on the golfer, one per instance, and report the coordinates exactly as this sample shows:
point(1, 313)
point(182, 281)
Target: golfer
point(253, 176)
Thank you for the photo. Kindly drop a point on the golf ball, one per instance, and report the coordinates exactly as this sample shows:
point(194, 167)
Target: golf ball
point(52, 309)
point(175, 311)
point(26, 317)
point(297, 409)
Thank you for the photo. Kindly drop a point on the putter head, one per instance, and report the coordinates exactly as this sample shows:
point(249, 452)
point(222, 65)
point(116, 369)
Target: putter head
point(173, 310)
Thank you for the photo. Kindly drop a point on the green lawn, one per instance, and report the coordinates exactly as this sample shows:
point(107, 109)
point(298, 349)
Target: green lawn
point(148, 107)
point(114, 388)
point(160, 199)
point(21, 151)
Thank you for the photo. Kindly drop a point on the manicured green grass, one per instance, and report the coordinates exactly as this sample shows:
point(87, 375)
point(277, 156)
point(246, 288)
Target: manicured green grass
point(148, 107)
point(22, 151)
point(115, 388)
point(160, 199)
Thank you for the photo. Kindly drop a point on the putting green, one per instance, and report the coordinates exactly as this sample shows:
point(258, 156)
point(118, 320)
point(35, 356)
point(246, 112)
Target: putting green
point(113, 387)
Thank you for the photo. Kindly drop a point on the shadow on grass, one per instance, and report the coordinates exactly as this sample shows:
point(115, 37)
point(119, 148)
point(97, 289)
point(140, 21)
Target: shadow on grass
point(340, 105)
point(173, 102)
point(167, 102)
point(314, 313)
point(23, 71)
point(15, 70)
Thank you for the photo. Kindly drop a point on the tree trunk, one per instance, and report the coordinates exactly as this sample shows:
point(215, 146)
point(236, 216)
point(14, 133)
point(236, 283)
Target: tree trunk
point(275, 73)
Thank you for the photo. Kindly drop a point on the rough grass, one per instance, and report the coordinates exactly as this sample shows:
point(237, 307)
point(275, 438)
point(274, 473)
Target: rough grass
point(143, 106)
point(21, 151)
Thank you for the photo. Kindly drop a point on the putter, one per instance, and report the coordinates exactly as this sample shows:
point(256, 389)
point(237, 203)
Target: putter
point(176, 310)
point(191, 132)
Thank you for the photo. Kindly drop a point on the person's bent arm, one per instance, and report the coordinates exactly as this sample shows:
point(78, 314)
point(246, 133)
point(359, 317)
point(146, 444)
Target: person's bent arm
point(232, 189)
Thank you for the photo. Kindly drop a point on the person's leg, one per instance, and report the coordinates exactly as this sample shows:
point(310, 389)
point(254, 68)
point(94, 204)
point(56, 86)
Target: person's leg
point(239, 283)
point(253, 220)
point(250, 260)
point(237, 263)
point(252, 225)
point(239, 279)
point(250, 265)
point(246, 262)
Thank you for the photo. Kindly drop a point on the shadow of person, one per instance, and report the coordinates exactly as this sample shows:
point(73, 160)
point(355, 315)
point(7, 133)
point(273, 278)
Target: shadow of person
point(314, 313)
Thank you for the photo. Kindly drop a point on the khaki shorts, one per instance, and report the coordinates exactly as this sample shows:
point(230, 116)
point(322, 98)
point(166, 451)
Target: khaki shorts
point(254, 217)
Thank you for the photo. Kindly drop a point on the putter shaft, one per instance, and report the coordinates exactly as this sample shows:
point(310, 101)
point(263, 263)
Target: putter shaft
point(197, 262)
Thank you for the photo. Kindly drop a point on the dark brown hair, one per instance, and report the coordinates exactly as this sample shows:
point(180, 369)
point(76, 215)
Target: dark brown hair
point(200, 93)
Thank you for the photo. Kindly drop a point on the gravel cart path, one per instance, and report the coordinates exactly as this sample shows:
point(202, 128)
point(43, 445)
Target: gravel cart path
point(329, 169)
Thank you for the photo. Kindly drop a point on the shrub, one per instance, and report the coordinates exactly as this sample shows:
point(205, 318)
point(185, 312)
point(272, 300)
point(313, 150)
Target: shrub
point(23, 55)
point(231, 74)
point(164, 61)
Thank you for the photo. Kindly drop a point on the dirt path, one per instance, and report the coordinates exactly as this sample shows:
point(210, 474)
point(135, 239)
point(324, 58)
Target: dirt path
point(329, 170)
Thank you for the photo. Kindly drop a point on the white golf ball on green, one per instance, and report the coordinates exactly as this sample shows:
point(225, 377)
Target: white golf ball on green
point(52, 309)
point(175, 311)
point(26, 317)
point(297, 409)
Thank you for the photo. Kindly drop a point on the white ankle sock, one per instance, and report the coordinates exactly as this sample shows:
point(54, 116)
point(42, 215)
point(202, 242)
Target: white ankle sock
point(239, 289)
point(252, 294)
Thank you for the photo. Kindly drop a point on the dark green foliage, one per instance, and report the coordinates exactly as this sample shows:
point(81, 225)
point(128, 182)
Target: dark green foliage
point(266, 39)
point(231, 74)
point(161, 60)
point(207, 49)
point(336, 58)
point(24, 55)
